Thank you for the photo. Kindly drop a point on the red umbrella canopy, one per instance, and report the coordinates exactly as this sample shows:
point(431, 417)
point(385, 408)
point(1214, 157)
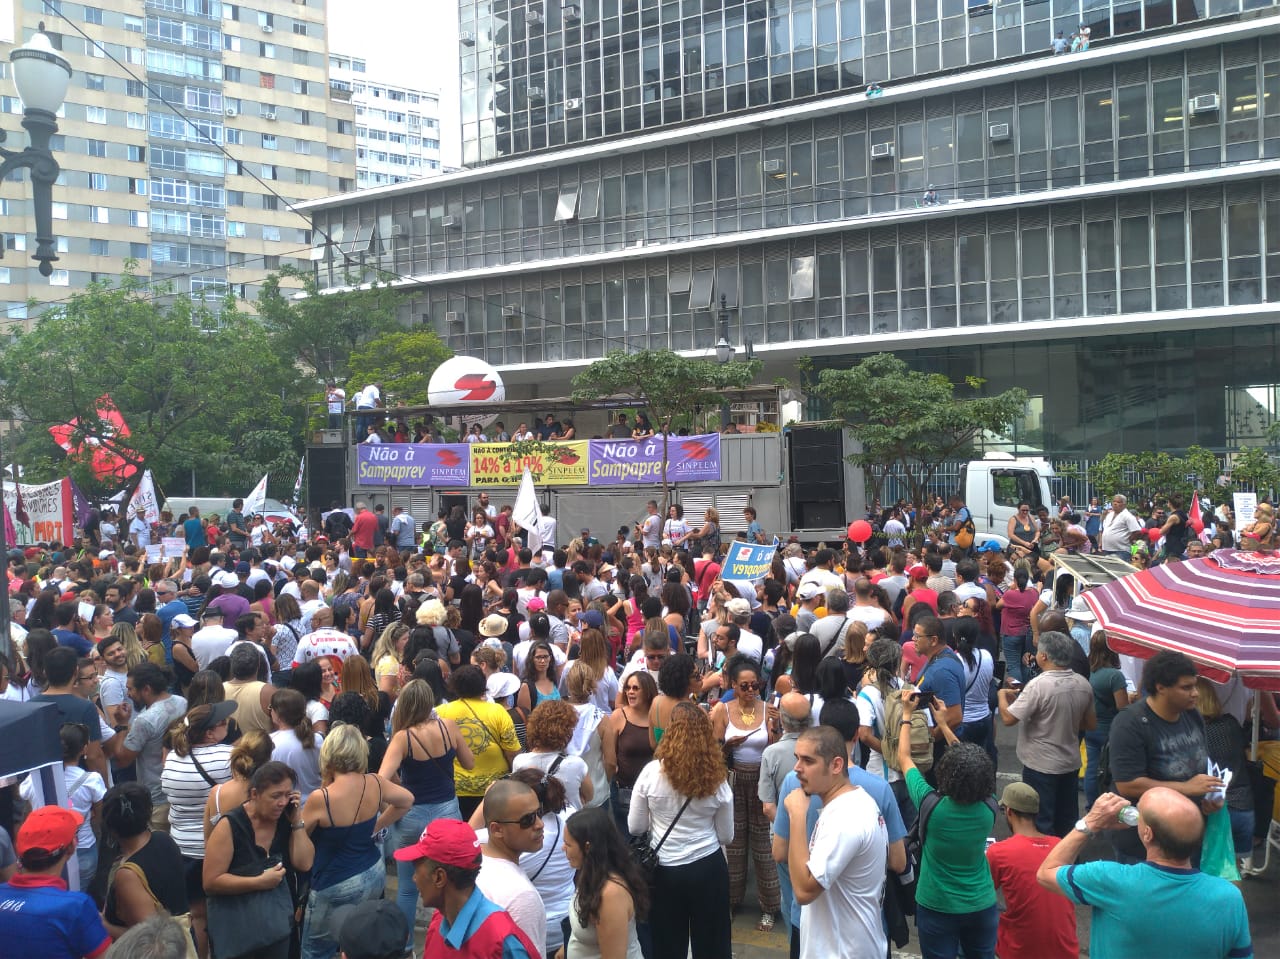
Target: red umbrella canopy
point(1223, 611)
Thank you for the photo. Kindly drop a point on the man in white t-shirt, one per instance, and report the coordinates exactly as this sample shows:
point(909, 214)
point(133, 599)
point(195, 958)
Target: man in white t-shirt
point(865, 608)
point(513, 816)
point(967, 586)
point(651, 525)
point(830, 630)
point(808, 597)
point(749, 644)
point(212, 639)
point(1119, 528)
point(823, 572)
point(323, 640)
point(838, 875)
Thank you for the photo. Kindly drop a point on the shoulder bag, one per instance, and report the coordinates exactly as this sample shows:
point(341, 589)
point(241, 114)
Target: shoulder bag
point(646, 854)
point(250, 921)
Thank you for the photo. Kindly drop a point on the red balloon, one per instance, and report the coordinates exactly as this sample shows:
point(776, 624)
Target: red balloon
point(1154, 534)
point(859, 531)
point(1197, 526)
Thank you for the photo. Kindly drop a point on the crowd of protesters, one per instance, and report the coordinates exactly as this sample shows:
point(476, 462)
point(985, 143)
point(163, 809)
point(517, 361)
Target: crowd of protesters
point(385, 733)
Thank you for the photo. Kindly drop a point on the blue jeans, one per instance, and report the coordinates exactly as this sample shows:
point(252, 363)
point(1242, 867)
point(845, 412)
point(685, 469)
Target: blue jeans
point(1059, 808)
point(1094, 740)
point(87, 864)
point(979, 731)
point(318, 941)
point(406, 832)
point(1014, 647)
point(1242, 830)
point(943, 934)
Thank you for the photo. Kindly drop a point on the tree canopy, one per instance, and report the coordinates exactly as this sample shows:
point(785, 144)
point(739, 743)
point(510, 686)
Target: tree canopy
point(402, 361)
point(321, 330)
point(666, 383)
point(199, 389)
point(909, 420)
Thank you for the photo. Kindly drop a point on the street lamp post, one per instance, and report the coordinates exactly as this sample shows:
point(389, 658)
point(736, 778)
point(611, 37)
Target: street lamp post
point(41, 76)
point(724, 353)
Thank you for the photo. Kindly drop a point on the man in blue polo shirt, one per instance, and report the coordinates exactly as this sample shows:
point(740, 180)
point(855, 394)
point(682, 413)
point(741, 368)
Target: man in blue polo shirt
point(943, 677)
point(1161, 907)
point(64, 628)
point(39, 917)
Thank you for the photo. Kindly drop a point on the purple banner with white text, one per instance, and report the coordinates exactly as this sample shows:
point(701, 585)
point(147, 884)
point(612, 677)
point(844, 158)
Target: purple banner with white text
point(414, 464)
point(620, 462)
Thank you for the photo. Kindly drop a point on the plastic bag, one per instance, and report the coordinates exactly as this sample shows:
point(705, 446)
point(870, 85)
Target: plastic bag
point(1218, 852)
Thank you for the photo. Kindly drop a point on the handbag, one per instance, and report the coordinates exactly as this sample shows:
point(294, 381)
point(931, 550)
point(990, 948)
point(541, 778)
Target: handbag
point(250, 921)
point(184, 920)
point(645, 854)
point(1218, 853)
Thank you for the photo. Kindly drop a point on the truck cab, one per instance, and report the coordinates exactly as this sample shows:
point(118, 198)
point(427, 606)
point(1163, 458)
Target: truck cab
point(993, 487)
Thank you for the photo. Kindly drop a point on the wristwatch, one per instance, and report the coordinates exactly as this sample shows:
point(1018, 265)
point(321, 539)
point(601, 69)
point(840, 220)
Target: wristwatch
point(1083, 826)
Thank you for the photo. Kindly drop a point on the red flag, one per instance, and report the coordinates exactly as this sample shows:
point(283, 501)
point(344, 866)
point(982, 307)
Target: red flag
point(19, 509)
point(100, 438)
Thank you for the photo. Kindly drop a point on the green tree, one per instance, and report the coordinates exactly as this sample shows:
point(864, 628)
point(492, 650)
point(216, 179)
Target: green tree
point(1255, 469)
point(200, 390)
point(666, 383)
point(320, 330)
point(910, 420)
point(1148, 476)
point(402, 361)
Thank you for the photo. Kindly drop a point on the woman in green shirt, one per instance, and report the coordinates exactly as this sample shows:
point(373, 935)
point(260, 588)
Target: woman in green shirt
point(955, 897)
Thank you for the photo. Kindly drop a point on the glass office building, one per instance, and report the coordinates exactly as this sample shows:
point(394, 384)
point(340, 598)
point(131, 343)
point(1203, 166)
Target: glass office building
point(640, 175)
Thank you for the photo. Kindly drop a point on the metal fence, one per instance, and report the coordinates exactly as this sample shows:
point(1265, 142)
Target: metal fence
point(1073, 479)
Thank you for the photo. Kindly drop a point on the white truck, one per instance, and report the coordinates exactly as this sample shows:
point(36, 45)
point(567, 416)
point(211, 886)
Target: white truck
point(993, 486)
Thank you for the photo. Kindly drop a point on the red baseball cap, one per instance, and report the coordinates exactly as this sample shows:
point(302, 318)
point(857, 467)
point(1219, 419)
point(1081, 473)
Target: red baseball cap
point(450, 842)
point(918, 571)
point(49, 828)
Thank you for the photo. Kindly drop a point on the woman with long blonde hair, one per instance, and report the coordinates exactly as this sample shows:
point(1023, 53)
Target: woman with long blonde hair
point(593, 651)
point(133, 653)
point(386, 655)
point(684, 793)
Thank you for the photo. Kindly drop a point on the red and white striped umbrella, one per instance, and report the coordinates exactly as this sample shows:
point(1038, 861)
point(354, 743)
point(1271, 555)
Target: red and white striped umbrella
point(1223, 611)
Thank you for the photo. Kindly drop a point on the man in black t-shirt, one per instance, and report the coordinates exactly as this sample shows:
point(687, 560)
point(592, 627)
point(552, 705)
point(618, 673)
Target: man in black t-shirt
point(63, 670)
point(1160, 741)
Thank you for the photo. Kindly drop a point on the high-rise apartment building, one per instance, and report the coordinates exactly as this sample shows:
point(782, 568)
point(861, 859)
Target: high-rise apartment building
point(198, 195)
point(1096, 220)
point(397, 127)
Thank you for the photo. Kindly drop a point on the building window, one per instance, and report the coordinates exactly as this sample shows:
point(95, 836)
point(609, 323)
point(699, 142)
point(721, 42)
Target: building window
point(269, 141)
point(235, 137)
point(138, 251)
point(93, 15)
point(4, 274)
point(98, 214)
point(231, 74)
point(138, 218)
point(302, 146)
point(138, 154)
point(301, 57)
point(302, 177)
point(235, 228)
point(136, 121)
point(271, 233)
point(95, 114)
point(97, 181)
point(137, 186)
point(60, 278)
point(59, 211)
point(95, 148)
point(134, 24)
point(16, 242)
point(95, 81)
point(268, 171)
point(267, 50)
point(301, 86)
point(271, 202)
point(267, 81)
point(299, 28)
point(98, 246)
point(135, 88)
point(235, 198)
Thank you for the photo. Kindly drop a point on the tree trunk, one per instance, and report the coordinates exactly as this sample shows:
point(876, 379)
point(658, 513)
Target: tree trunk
point(666, 489)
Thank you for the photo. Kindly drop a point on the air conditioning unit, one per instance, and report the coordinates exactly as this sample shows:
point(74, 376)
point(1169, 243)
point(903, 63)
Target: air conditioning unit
point(268, 116)
point(510, 312)
point(232, 111)
point(467, 38)
point(453, 318)
point(571, 12)
point(881, 151)
point(533, 17)
point(771, 166)
point(398, 231)
point(998, 131)
point(573, 103)
point(534, 93)
point(268, 28)
point(1205, 103)
point(452, 222)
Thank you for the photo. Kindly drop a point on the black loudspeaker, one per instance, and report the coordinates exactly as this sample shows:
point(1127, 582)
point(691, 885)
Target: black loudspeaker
point(326, 476)
point(817, 478)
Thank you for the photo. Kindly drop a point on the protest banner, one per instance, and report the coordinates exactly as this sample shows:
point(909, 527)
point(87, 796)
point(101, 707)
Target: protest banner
point(47, 514)
point(173, 546)
point(689, 459)
point(1244, 505)
point(558, 464)
point(748, 561)
point(413, 464)
point(144, 502)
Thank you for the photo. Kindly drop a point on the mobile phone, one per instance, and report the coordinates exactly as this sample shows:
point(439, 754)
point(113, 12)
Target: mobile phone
point(270, 863)
point(292, 808)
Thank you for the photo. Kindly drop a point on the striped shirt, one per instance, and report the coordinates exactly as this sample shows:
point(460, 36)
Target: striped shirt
point(186, 792)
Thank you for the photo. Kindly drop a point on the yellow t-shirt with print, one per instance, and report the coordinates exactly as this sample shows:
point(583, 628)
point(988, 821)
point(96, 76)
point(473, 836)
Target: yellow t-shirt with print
point(489, 731)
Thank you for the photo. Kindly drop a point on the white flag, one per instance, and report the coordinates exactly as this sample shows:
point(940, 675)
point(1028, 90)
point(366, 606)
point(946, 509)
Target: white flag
point(144, 500)
point(527, 513)
point(256, 502)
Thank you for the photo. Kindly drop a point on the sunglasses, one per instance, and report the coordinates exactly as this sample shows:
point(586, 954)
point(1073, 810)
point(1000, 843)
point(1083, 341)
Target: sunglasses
point(524, 822)
point(747, 687)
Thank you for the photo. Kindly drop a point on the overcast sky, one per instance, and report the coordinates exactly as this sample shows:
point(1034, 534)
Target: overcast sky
point(413, 42)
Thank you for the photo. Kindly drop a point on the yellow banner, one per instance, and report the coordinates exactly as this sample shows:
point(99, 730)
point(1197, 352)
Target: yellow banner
point(494, 464)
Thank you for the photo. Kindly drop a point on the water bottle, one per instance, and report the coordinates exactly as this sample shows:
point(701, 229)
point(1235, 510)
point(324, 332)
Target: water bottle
point(1128, 815)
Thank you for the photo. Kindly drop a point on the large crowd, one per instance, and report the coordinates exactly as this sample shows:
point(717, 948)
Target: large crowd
point(395, 732)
